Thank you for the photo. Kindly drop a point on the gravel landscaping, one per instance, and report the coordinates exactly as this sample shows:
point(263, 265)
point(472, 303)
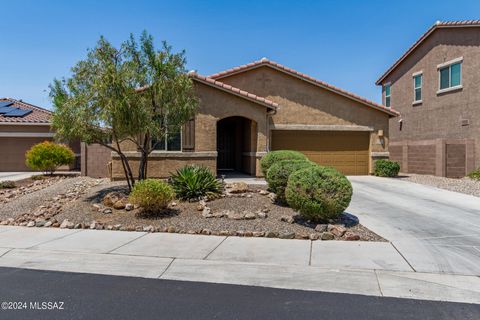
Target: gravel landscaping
point(79, 203)
point(464, 185)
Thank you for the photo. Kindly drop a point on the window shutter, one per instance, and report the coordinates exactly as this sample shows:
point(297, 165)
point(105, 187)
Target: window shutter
point(188, 142)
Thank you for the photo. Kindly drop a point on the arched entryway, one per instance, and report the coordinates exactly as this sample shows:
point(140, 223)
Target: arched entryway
point(236, 145)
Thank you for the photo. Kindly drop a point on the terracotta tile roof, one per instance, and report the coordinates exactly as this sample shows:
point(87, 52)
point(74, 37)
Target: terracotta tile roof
point(302, 76)
point(437, 25)
point(226, 87)
point(38, 114)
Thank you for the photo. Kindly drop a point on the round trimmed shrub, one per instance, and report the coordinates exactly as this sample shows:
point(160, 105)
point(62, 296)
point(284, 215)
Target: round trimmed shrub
point(386, 168)
point(277, 175)
point(274, 156)
point(152, 195)
point(48, 156)
point(318, 193)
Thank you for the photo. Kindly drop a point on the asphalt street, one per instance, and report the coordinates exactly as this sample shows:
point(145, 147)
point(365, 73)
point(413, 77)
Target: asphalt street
point(88, 296)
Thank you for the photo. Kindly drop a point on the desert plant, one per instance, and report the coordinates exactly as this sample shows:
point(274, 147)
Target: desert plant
point(318, 193)
point(7, 184)
point(475, 174)
point(277, 175)
point(152, 195)
point(273, 156)
point(386, 168)
point(192, 182)
point(48, 156)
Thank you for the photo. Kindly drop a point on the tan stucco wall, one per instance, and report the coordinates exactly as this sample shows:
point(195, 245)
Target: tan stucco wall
point(305, 103)
point(214, 105)
point(440, 115)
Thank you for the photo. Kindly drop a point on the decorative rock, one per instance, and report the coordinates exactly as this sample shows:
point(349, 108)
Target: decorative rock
point(263, 192)
point(120, 204)
point(220, 214)
point(224, 233)
point(272, 196)
point(31, 224)
point(336, 230)
point(249, 195)
point(191, 232)
point(171, 229)
point(321, 228)
point(350, 236)
point(128, 207)
point(201, 205)
point(235, 216)
point(96, 207)
point(248, 234)
point(173, 204)
point(206, 213)
point(206, 231)
point(66, 224)
point(238, 187)
point(107, 211)
point(271, 234)
point(48, 224)
point(258, 233)
point(40, 223)
point(110, 198)
point(240, 233)
point(287, 219)
point(93, 225)
point(117, 227)
point(314, 236)
point(327, 236)
point(287, 235)
point(261, 214)
point(148, 229)
point(249, 215)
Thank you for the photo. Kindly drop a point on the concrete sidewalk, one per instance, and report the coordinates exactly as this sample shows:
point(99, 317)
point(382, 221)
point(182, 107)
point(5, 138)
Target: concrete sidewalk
point(366, 268)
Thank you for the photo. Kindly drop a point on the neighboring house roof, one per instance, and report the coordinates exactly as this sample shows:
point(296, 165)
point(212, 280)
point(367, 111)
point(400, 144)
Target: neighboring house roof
point(302, 76)
point(37, 115)
point(233, 90)
point(437, 25)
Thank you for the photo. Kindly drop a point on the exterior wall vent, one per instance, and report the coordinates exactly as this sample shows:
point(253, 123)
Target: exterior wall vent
point(465, 122)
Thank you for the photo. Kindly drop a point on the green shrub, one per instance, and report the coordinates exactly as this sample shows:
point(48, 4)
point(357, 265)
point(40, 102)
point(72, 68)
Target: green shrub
point(48, 156)
point(277, 175)
point(273, 156)
point(192, 182)
point(386, 168)
point(318, 193)
point(475, 174)
point(152, 195)
point(7, 184)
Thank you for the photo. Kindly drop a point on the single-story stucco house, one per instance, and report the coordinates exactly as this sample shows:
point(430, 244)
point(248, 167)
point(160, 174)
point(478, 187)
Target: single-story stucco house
point(248, 110)
point(23, 125)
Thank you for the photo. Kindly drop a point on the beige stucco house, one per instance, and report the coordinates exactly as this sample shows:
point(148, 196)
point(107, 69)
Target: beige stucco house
point(246, 111)
point(435, 85)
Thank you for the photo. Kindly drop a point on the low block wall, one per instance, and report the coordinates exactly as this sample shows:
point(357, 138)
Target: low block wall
point(452, 158)
point(163, 164)
point(94, 160)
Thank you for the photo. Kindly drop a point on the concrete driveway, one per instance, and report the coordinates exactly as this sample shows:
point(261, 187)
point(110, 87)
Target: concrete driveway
point(15, 176)
point(435, 230)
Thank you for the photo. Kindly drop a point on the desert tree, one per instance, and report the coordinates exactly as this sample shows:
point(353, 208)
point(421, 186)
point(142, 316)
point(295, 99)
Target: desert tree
point(134, 94)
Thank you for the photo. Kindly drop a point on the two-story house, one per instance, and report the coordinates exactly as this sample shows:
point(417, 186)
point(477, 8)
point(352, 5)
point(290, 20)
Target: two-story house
point(435, 85)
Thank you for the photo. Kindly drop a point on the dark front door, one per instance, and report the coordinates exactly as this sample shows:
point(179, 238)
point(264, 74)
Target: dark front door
point(226, 130)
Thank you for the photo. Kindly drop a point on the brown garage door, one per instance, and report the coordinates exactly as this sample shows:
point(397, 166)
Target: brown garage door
point(344, 150)
point(12, 151)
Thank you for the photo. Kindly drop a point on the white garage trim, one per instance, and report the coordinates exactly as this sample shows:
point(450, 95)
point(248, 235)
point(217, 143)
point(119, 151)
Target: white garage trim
point(321, 127)
point(26, 134)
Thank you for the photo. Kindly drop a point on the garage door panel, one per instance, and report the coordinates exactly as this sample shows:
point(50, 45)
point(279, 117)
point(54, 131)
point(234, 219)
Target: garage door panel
point(345, 151)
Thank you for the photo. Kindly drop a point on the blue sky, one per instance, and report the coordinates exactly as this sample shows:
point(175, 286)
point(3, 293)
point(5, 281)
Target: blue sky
point(346, 43)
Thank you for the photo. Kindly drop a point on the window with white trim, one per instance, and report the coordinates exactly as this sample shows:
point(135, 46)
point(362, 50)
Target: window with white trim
point(450, 76)
point(417, 87)
point(387, 95)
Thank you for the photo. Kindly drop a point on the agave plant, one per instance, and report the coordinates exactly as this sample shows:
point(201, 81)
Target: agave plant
point(192, 182)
